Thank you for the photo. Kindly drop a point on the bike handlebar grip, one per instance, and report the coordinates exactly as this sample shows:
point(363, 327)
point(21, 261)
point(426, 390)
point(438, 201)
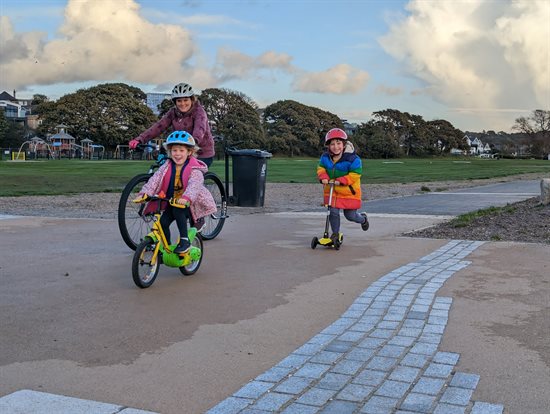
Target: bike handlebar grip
point(141, 199)
point(174, 203)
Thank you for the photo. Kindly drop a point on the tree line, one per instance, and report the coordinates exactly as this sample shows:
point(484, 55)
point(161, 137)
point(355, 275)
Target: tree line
point(113, 113)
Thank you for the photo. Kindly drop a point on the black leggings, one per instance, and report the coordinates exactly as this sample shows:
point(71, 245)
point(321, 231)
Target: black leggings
point(181, 215)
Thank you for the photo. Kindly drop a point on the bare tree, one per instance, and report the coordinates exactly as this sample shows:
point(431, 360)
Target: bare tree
point(537, 128)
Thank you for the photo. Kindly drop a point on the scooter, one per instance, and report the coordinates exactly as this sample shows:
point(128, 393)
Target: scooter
point(326, 240)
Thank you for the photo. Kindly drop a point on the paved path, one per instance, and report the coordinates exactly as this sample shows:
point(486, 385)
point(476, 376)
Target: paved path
point(383, 354)
point(380, 356)
point(458, 201)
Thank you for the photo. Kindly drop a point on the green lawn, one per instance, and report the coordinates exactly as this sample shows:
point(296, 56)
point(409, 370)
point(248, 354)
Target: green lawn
point(75, 176)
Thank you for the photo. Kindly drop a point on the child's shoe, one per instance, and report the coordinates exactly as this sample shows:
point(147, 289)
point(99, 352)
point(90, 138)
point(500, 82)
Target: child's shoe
point(199, 224)
point(365, 225)
point(339, 237)
point(183, 246)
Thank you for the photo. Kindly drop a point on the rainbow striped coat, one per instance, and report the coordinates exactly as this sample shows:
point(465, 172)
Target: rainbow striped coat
point(347, 170)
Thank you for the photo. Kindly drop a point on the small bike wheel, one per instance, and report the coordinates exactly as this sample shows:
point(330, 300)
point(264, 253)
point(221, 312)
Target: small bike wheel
point(192, 267)
point(144, 272)
point(131, 223)
point(213, 223)
point(314, 242)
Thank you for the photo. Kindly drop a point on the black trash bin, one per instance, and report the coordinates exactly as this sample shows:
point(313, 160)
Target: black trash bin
point(249, 176)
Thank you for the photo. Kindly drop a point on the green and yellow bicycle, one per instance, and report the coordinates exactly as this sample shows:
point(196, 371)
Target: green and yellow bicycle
point(155, 250)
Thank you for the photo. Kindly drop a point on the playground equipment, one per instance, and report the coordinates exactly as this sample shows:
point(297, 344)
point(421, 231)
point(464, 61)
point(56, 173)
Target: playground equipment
point(37, 146)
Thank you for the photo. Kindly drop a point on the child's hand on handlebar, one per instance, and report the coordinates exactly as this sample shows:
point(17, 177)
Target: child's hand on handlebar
point(324, 181)
point(140, 199)
point(133, 144)
point(180, 203)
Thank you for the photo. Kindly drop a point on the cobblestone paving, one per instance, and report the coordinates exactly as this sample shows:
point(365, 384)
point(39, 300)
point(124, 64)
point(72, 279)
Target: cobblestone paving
point(381, 356)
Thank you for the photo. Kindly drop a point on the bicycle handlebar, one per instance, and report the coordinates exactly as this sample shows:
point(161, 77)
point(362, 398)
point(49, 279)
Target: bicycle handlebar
point(160, 197)
point(143, 147)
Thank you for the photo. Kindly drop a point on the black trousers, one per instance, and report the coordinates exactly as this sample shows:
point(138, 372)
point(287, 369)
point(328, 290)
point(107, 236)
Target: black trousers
point(181, 215)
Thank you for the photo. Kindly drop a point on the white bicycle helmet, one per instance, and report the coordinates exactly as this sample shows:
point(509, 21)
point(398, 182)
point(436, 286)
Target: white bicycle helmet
point(182, 90)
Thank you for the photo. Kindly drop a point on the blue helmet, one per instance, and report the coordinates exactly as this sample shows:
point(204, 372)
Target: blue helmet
point(181, 138)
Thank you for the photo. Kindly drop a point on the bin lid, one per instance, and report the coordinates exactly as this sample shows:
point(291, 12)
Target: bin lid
point(251, 153)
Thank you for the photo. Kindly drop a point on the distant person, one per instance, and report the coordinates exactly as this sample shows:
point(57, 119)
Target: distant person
point(341, 165)
point(180, 179)
point(187, 115)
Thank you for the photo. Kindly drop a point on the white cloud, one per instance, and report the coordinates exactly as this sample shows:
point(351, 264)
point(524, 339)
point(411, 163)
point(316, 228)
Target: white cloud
point(232, 64)
point(339, 79)
point(388, 90)
point(112, 41)
point(477, 54)
point(101, 41)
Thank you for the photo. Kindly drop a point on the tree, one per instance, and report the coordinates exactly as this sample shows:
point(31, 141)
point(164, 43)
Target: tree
point(537, 128)
point(4, 126)
point(410, 129)
point(380, 139)
point(235, 116)
point(108, 114)
point(12, 134)
point(302, 127)
point(443, 137)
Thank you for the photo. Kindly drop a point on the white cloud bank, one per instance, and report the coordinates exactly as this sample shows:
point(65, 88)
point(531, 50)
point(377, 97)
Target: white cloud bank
point(483, 55)
point(109, 40)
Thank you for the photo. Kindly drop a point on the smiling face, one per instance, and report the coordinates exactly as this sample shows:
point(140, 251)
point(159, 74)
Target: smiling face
point(180, 153)
point(336, 147)
point(184, 104)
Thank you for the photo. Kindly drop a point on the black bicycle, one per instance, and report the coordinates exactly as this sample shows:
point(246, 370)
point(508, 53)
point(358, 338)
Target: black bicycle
point(134, 224)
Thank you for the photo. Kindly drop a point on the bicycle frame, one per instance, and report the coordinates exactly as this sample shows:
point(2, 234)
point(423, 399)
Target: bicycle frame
point(162, 245)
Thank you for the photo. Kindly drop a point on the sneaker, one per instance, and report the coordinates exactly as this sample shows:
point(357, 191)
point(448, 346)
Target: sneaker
point(199, 224)
point(183, 246)
point(365, 225)
point(337, 236)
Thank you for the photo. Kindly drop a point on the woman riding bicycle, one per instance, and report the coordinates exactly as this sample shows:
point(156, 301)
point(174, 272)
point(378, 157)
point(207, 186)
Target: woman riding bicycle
point(187, 115)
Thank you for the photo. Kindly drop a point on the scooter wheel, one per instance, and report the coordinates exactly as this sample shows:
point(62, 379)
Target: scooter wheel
point(314, 242)
point(336, 244)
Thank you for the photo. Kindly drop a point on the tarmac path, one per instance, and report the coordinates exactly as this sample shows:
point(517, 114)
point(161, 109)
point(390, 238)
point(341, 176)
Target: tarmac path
point(74, 324)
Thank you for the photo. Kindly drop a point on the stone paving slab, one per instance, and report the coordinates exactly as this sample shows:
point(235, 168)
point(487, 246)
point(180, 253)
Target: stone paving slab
point(35, 402)
point(381, 356)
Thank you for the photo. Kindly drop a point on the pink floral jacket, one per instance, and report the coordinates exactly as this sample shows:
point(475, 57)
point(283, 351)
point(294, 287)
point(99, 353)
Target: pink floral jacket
point(201, 201)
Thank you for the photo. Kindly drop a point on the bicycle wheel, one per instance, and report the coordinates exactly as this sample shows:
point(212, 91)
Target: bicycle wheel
point(144, 272)
point(132, 224)
point(194, 266)
point(214, 222)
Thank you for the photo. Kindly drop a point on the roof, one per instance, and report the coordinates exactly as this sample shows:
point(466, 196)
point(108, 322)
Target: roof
point(4, 96)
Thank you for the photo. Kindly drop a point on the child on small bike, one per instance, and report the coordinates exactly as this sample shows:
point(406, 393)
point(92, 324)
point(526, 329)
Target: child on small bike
point(342, 166)
point(181, 180)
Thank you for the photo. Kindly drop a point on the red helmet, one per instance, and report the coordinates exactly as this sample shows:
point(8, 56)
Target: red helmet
point(335, 133)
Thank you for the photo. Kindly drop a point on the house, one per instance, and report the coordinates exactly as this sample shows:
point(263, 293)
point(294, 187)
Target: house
point(13, 109)
point(477, 147)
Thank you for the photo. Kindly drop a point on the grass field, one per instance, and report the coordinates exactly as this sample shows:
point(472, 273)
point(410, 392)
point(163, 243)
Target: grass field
point(75, 176)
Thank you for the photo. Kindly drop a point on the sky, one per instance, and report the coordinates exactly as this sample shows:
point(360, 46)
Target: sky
point(479, 64)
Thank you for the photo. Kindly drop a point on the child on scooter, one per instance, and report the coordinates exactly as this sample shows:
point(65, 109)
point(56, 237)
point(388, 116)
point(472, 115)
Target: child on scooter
point(341, 165)
point(181, 180)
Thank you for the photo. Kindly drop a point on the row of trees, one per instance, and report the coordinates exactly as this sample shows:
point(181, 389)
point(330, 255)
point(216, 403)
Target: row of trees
point(112, 114)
